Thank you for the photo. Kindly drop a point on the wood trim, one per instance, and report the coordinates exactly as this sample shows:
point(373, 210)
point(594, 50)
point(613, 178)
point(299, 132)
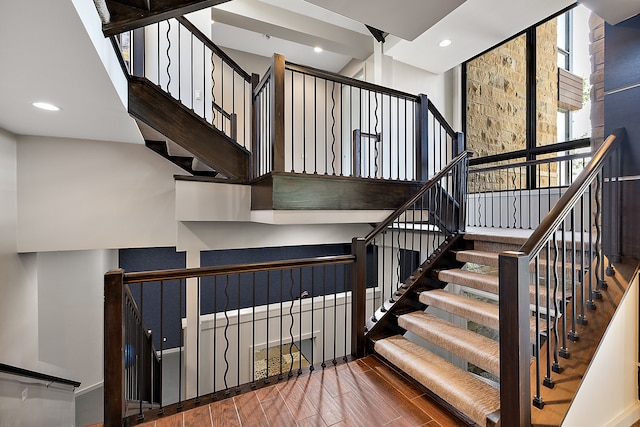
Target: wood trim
point(150, 104)
point(114, 405)
point(277, 115)
point(422, 137)
point(125, 18)
point(291, 191)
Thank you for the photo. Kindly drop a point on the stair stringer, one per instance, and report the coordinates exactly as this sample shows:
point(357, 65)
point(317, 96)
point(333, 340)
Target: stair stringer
point(150, 104)
point(406, 299)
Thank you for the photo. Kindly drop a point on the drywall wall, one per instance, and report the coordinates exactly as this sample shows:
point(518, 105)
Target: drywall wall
point(70, 312)
point(18, 287)
point(78, 194)
point(610, 383)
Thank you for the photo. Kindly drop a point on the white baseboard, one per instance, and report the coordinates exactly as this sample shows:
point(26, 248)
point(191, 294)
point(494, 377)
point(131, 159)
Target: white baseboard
point(627, 417)
point(88, 389)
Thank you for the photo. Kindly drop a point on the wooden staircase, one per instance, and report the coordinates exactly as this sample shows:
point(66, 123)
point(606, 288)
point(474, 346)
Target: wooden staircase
point(473, 301)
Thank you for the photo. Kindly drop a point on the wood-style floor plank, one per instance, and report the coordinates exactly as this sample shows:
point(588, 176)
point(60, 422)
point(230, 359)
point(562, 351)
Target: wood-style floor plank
point(278, 413)
point(362, 393)
point(198, 417)
point(250, 411)
point(224, 413)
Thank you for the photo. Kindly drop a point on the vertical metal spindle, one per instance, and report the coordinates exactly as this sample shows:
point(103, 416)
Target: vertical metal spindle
point(293, 149)
point(198, 343)
point(590, 304)
point(253, 329)
point(159, 379)
point(313, 313)
point(292, 321)
point(346, 314)
point(181, 335)
point(266, 377)
point(548, 380)
point(324, 312)
point(564, 351)
point(280, 375)
point(315, 127)
point(582, 319)
point(300, 296)
point(227, 392)
point(556, 362)
point(304, 123)
point(215, 332)
point(537, 398)
point(239, 337)
point(573, 333)
point(335, 315)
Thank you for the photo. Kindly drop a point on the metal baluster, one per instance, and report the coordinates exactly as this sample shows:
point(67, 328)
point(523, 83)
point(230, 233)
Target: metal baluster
point(324, 311)
point(590, 304)
point(333, 125)
point(548, 380)
point(573, 333)
point(537, 398)
point(290, 374)
point(315, 127)
point(266, 377)
point(198, 344)
point(556, 362)
point(227, 392)
point(239, 337)
point(335, 314)
point(181, 335)
point(253, 331)
point(313, 313)
point(300, 296)
point(564, 351)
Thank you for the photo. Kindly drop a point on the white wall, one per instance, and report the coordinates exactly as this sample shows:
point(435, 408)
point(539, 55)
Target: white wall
point(611, 382)
point(70, 312)
point(77, 194)
point(18, 286)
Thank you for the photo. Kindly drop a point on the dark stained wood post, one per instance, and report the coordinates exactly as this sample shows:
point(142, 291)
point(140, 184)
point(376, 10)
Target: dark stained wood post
point(515, 346)
point(255, 132)
point(113, 348)
point(277, 112)
point(422, 138)
point(358, 297)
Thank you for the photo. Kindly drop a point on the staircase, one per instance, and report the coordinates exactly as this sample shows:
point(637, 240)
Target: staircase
point(475, 397)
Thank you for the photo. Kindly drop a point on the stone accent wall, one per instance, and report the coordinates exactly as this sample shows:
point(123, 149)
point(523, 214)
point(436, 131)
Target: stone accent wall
point(496, 100)
point(596, 50)
point(496, 106)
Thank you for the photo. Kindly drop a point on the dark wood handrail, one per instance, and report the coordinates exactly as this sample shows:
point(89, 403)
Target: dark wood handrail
point(570, 198)
point(545, 149)
point(211, 45)
point(328, 75)
point(531, 163)
point(263, 81)
point(185, 273)
point(427, 185)
point(441, 120)
point(14, 370)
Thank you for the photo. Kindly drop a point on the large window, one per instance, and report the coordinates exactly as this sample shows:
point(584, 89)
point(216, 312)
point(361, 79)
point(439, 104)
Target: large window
point(529, 94)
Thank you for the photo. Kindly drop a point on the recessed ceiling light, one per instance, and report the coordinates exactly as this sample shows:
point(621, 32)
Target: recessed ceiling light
point(444, 43)
point(45, 106)
point(317, 49)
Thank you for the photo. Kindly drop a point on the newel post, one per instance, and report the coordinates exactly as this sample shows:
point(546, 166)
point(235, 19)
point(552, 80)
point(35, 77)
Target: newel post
point(422, 138)
point(255, 132)
point(113, 348)
point(515, 346)
point(277, 112)
point(358, 297)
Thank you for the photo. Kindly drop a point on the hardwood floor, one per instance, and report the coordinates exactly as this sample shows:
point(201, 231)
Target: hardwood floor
point(364, 392)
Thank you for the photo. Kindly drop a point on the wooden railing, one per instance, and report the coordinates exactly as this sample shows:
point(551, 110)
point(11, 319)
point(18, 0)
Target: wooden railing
point(311, 121)
point(567, 263)
point(177, 57)
point(222, 325)
point(508, 191)
point(394, 255)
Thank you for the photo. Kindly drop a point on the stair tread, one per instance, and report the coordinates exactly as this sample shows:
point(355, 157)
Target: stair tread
point(478, 311)
point(472, 347)
point(471, 279)
point(481, 312)
point(470, 395)
point(478, 257)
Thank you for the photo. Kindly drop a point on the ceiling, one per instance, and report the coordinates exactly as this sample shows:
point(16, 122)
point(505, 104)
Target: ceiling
point(47, 54)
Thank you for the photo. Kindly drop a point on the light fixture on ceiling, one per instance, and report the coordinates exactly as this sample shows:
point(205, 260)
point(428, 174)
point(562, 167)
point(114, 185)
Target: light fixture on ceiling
point(444, 43)
point(317, 49)
point(46, 106)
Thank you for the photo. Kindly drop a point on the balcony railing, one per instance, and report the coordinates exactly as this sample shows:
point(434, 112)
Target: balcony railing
point(564, 263)
point(176, 56)
point(310, 121)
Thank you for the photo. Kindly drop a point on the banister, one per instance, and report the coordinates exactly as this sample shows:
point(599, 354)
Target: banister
point(185, 273)
point(211, 45)
point(440, 118)
point(550, 224)
point(21, 372)
point(427, 185)
point(338, 78)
